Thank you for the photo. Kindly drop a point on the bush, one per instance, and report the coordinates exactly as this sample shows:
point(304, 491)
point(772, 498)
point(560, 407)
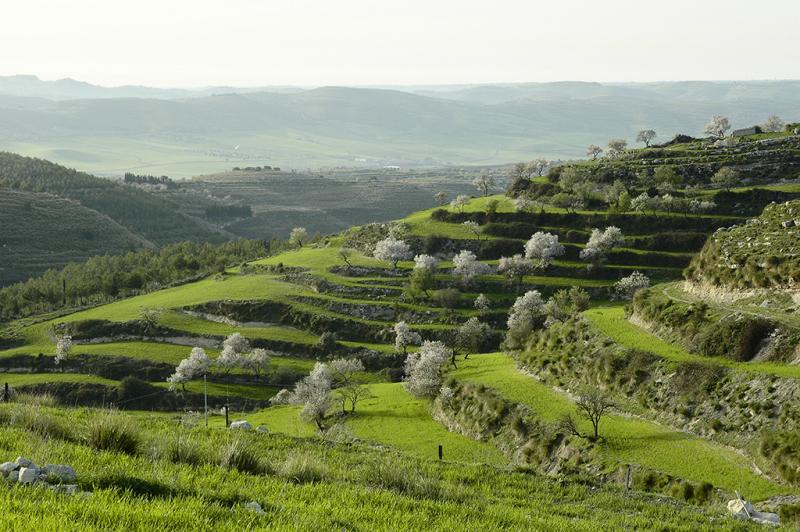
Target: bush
point(239, 455)
point(303, 469)
point(446, 298)
point(113, 433)
point(182, 450)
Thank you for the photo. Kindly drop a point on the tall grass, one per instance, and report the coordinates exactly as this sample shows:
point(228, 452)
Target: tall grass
point(112, 432)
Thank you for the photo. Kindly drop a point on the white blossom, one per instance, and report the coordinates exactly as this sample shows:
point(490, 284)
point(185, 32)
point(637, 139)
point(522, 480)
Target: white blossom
point(484, 183)
point(471, 333)
point(459, 202)
point(773, 124)
point(446, 394)
point(298, 236)
point(423, 369)
point(515, 268)
point(425, 262)
point(473, 227)
point(405, 337)
point(524, 204)
point(314, 393)
point(627, 286)
point(601, 243)
point(543, 248)
point(717, 126)
point(392, 250)
point(482, 303)
point(526, 309)
point(63, 347)
point(468, 267)
point(257, 361)
point(195, 365)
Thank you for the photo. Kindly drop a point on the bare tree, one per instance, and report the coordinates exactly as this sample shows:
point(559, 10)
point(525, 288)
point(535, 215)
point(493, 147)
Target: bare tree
point(484, 183)
point(646, 136)
point(345, 254)
point(617, 146)
point(593, 404)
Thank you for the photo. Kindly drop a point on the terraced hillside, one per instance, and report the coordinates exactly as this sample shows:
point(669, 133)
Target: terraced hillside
point(123, 352)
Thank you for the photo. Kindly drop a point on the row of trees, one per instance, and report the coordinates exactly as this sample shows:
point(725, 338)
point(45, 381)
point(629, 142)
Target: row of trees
point(101, 279)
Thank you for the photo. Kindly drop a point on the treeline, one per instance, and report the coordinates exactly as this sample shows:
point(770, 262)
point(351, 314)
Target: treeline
point(225, 212)
point(143, 213)
point(135, 179)
point(256, 168)
point(102, 279)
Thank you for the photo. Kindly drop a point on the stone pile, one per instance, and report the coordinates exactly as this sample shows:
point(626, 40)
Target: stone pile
point(58, 477)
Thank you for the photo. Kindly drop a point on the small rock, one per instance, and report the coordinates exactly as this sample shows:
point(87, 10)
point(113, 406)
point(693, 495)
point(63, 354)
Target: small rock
point(23, 462)
point(262, 428)
point(7, 467)
point(28, 475)
point(254, 507)
point(63, 473)
point(13, 476)
point(69, 489)
point(241, 425)
point(787, 224)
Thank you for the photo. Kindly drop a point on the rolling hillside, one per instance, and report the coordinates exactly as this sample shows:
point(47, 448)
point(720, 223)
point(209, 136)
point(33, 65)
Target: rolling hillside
point(63, 215)
point(42, 231)
point(337, 125)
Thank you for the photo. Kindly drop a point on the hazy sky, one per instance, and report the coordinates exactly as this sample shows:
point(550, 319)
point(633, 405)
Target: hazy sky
point(317, 42)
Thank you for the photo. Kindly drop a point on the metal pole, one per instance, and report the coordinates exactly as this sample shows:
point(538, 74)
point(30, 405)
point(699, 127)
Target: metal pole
point(205, 397)
point(226, 416)
point(6, 395)
point(440, 452)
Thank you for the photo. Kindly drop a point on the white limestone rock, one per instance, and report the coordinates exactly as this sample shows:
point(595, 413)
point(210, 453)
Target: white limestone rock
point(7, 467)
point(61, 473)
point(28, 475)
point(241, 425)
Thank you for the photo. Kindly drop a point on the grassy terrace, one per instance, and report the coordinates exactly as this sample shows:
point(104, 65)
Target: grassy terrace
point(627, 439)
point(611, 321)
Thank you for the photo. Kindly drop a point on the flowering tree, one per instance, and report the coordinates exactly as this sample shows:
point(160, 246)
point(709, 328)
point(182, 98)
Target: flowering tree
point(514, 269)
point(543, 248)
point(522, 317)
point(538, 166)
point(314, 393)
point(726, 177)
point(524, 204)
point(460, 202)
point(627, 286)
point(468, 266)
point(601, 243)
point(257, 361)
point(773, 124)
point(440, 197)
point(195, 365)
point(593, 151)
point(473, 227)
point(63, 347)
point(482, 303)
point(646, 136)
point(470, 335)
point(424, 369)
point(298, 236)
point(422, 279)
point(425, 262)
point(697, 206)
point(405, 337)
point(484, 183)
point(392, 250)
point(717, 126)
point(233, 347)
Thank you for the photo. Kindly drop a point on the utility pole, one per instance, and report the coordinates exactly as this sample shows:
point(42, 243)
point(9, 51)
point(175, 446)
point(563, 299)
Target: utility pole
point(205, 397)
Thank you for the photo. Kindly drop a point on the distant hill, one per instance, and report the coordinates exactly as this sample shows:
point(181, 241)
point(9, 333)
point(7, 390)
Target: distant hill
point(338, 126)
point(52, 215)
point(42, 231)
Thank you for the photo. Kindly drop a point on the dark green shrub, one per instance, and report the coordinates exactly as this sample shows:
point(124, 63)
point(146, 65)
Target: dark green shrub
point(113, 433)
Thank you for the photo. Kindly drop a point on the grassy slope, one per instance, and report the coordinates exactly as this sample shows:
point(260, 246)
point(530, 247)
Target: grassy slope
point(611, 321)
point(628, 439)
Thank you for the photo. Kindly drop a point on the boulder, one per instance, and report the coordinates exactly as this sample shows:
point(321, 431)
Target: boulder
point(28, 475)
point(241, 425)
point(62, 473)
point(13, 476)
point(69, 489)
point(744, 510)
point(7, 467)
